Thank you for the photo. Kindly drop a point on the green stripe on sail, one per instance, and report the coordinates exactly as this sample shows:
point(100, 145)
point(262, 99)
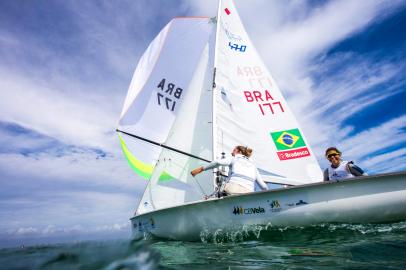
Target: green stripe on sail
point(142, 169)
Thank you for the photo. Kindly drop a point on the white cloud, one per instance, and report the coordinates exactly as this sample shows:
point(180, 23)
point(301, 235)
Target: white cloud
point(78, 210)
point(351, 89)
point(113, 227)
point(359, 147)
point(67, 118)
point(378, 138)
point(50, 230)
point(342, 95)
point(16, 142)
point(78, 166)
point(25, 231)
point(379, 163)
point(288, 43)
point(76, 187)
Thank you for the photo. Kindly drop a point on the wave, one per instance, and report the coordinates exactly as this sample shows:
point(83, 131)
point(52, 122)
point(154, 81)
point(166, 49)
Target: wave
point(337, 232)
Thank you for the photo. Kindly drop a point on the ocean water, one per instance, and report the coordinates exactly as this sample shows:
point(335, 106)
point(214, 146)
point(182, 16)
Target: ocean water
point(329, 246)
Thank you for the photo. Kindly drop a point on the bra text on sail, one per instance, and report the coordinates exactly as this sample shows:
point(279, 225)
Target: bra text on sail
point(264, 100)
point(168, 95)
point(261, 95)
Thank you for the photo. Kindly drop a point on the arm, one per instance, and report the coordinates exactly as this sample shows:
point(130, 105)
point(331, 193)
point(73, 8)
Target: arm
point(325, 175)
point(261, 182)
point(354, 169)
point(217, 163)
point(211, 165)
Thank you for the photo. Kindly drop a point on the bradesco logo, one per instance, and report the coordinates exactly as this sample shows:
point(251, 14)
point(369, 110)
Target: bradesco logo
point(292, 141)
point(238, 210)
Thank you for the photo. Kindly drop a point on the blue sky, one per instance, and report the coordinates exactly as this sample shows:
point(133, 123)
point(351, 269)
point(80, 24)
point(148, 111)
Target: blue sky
point(65, 69)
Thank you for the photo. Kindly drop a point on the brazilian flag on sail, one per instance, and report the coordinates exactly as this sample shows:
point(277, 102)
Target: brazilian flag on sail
point(288, 139)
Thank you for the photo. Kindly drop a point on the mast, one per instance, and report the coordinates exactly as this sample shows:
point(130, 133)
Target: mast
point(214, 89)
point(214, 92)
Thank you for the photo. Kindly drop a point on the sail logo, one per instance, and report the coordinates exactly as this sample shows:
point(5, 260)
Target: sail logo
point(287, 139)
point(275, 206)
point(237, 47)
point(230, 34)
point(238, 210)
point(301, 202)
point(144, 225)
point(291, 140)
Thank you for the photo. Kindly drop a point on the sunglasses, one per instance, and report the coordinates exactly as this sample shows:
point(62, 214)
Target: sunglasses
point(332, 155)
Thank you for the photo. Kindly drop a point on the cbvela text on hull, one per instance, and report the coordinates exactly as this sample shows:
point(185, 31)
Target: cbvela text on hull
point(371, 199)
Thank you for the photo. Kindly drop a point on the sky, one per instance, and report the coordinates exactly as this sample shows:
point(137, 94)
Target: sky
point(65, 68)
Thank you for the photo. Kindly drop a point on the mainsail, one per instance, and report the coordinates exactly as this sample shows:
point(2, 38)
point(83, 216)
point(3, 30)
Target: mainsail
point(250, 109)
point(173, 101)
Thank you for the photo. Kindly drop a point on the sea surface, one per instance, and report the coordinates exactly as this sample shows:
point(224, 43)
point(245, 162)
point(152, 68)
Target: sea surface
point(329, 246)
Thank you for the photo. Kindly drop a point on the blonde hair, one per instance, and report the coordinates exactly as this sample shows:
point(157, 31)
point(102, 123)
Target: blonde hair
point(244, 150)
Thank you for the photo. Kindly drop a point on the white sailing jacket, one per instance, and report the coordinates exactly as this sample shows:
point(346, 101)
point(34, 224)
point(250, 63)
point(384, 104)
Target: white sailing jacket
point(241, 171)
point(339, 173)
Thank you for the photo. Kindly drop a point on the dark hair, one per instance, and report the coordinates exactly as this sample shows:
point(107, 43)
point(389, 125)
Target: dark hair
point(332, 148)
point(244, 150)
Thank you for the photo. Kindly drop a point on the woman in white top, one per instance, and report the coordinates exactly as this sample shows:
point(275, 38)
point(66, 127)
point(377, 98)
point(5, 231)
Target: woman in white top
point(340, 169)
point(242, 173)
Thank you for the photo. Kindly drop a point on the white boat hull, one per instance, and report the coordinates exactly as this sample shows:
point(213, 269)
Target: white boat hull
point(371, 199)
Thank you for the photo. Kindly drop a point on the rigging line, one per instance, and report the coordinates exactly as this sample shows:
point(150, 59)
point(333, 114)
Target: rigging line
point(222, 142)
point(163, 145)
point(200, 187)
point(183, 169)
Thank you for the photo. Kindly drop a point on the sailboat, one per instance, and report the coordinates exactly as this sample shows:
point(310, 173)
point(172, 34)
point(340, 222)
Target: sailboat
point(200, 89)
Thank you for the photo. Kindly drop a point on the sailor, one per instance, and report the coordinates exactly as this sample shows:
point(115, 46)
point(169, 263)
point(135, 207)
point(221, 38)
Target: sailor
point(340, 169)
point(242, 173)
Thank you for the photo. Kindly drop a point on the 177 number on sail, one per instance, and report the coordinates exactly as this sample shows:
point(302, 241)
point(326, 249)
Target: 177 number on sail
point(168, 95)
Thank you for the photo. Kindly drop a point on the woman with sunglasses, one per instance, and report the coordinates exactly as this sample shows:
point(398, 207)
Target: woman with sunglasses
point(340, 169)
